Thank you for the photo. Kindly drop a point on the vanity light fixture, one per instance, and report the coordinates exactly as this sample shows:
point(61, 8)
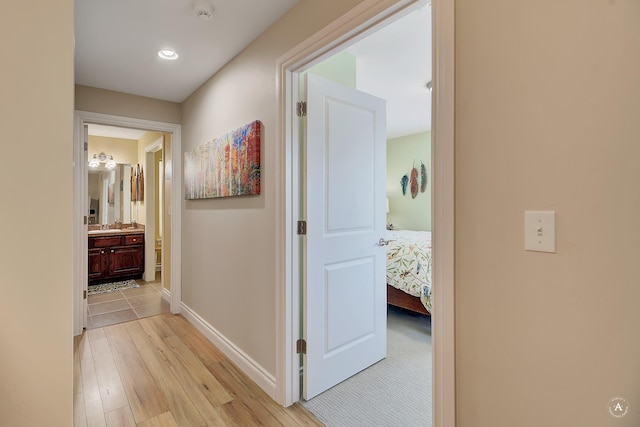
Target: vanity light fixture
point(168, 54)
point(108, 161)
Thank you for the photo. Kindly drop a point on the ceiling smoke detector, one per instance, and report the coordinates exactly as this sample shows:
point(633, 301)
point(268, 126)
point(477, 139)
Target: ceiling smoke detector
point(203, 9)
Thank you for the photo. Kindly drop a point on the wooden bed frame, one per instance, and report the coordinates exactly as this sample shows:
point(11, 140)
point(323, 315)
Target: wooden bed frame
point(401, 299)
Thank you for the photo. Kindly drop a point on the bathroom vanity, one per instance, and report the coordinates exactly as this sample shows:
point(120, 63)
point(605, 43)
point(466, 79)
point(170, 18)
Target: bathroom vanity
point(115, 255)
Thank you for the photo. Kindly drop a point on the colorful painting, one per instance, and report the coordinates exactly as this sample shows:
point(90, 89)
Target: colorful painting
point(226, 166)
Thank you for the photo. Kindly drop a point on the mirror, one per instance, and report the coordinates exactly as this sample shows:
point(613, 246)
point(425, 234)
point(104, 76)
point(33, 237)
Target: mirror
point(109, 198)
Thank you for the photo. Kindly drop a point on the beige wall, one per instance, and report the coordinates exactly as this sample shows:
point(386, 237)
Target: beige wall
point(547, 104)
point(122, 150)
point(36, 83)
point(140, 207)
point(146, 140)
point(121, 104)
point(228, 260)
point(404, 153)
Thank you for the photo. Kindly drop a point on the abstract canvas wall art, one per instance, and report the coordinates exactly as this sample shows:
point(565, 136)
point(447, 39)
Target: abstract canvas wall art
point(228, 165)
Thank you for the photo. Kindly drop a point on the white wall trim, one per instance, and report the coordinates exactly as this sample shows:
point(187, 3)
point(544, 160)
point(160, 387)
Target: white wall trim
point(154, 146)
point(443, 201)
point(250, 367)
point(79, 275)
point(79, 197)
point(360, 21)
point(150, 215)
point(166, 295)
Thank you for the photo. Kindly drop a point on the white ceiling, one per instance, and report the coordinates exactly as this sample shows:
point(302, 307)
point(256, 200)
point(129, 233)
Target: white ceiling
point(117, 41)
point(116, 44)
point(394, 63)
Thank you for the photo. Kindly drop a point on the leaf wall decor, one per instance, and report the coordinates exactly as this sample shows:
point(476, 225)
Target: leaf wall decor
point(423, 177)
point(414, 182)
point(404, 181)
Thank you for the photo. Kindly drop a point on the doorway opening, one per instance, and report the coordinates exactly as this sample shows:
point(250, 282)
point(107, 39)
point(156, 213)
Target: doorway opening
point(126, 279)
point(392, 64)
point(357, 24)
point(136, 217)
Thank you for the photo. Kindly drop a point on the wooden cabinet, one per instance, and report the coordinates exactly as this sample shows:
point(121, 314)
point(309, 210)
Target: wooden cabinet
point(115, 257)
point(97, 263)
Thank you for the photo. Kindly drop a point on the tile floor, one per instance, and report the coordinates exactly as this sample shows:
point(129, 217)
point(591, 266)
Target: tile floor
point(122, 306)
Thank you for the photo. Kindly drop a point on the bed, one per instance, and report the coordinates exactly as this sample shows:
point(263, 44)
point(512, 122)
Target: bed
point(409, 270)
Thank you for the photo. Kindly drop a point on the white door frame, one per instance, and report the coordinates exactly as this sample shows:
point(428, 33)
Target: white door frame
point(150, 214)
point(79, 205)
point(364, 19)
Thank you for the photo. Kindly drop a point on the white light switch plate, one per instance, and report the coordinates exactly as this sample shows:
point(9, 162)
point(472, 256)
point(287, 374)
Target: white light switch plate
point(540, 231)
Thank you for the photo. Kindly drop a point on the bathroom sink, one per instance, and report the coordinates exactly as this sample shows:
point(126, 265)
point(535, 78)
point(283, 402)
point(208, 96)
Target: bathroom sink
point(111, 230)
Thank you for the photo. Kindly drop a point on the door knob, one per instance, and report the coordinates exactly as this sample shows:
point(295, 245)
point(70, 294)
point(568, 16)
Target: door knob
point(383, 242)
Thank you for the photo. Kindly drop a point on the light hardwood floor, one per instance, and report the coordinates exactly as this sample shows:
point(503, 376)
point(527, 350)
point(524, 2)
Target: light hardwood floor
point(160, 371)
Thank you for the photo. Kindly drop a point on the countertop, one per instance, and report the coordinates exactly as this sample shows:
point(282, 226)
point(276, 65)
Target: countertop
point(115, 232)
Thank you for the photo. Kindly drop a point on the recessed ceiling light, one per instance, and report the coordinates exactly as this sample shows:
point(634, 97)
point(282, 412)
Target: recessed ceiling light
point(169, 54)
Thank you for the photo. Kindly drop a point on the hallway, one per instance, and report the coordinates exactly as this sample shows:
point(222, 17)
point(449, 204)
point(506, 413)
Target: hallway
point(160, 371)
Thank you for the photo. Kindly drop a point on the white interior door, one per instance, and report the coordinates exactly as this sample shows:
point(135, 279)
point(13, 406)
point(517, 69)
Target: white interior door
point(344, 290)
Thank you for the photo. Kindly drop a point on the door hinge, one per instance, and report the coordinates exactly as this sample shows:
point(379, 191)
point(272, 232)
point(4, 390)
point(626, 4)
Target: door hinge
point(301, 109)
point(302, 228)
point(86, 146)
point(84, 294)
point(85, 220)
point(301, 346)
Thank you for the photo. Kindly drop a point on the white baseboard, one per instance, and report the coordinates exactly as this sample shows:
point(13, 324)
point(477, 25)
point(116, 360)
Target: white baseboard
point(250, 367)
point(166, 295)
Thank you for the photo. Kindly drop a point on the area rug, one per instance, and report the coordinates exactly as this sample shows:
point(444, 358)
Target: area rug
point(395, 391)
point(112, 287)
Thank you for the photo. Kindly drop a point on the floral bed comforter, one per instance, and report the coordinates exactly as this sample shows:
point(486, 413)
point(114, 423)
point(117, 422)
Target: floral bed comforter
point(409, 263)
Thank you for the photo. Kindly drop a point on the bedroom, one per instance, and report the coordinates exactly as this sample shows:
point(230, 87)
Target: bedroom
point(379, 65)
point(395, 65)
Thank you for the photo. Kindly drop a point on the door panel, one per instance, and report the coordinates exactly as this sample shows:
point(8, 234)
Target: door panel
point(344, 286)
point(346, 283)
point(349, 167)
